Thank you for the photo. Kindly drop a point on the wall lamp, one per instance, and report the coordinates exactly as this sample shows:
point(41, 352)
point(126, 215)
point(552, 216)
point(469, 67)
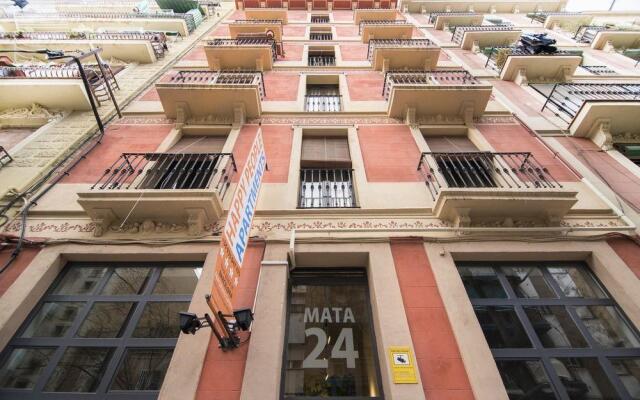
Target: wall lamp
point(190, 323)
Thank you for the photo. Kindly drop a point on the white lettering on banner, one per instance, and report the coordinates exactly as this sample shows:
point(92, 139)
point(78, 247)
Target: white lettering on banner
point(331, 315)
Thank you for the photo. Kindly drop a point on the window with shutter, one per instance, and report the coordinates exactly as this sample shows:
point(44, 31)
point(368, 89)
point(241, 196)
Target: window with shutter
point(460, 162)
point(326, 151)
point(198, 144)
point(450, 144)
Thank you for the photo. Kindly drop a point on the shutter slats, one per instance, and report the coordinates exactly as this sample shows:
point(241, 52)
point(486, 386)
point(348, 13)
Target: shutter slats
point(450, 144)
point(198, 144)
point(325, 149)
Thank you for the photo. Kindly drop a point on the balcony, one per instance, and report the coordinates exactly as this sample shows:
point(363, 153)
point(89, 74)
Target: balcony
point(604, 112)
point(397, 54)
point(484, 7)
point(230, 97)
point(322, 60)
point(326, 188)
point(437, 96)
point(55, 87)
point(322, 103)
point(553, 20)
point(373, 14)
point(385, 29)
point(616, 39)
point(441, 20)
point(473, 187)
point(266, 14)
point(183, 24)
point(160, 192)
point(323, 36)
point(271, 27)
point(586, 33)
point(244, 53)
point(480, 37)
point(139, 47)
point(522, 67)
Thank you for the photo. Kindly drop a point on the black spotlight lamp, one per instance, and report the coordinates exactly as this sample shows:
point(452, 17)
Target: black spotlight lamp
point(244, 318)
point(190, 323)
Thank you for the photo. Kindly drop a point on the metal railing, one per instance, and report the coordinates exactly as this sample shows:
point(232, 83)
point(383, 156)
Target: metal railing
point(513, 170)
point(433, 78)
point(322, 61)
point(158, 39)
point(395, 43)
point(460, 30)
point(134, 171)
point(434, 16)
point(542, 16)
point(322, 103)
point(319, 19)
point(249, 78)
point(599, 69)
point(247, 41)
point(382, 22)
point(586, 33)
point(497, 56)
point(566, 99)
point(5, 158)
point(320, 36)
point(326, 188)
point(257, 21)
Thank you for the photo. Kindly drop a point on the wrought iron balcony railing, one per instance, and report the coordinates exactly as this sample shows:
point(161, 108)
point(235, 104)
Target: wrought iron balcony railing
point(326, 188)
point(566, 99)
point(434, 16)
point(599, 69)
point(460, 30)
point(5, 158)
point(497, 56)
point(322, 103)
point(395, 43)
point(322, 61)
point(319, 19)
point(433, 78)
point(586, 33)
point(382, 22)
point(484, 170)
point(257, 21)
point(542, 16)
point(158, 39)
point(240, 79)
point(248, 42)
point(157, 171)
point(320, 36)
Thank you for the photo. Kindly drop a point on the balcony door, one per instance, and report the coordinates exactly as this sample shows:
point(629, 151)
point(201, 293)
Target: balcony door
point(461, 163)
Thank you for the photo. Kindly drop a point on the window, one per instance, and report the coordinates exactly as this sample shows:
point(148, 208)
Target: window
point(629, 150)
point(320, 33)
point(330, 346)
point(319, 19)
point(554, 331)
point(323, 97)
point(326, 177)
point(322, 57)
point(460, 162)
point(103, 330)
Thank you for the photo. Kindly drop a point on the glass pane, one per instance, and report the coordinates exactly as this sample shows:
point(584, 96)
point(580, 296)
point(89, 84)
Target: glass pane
point(126, 281)
point(501, 327)
point(554, 326)
point(177, 281)
point(80, 280)
point(607, 326)
point(160, 320)
point(142, 369)
point(628, 370)
point(79, 370)
point(583, 378)
point(576, 282)
point(105, 320)
point(481, 282)
point(53, 319)
point(330, 347)
point(525, 379)
point(23, 367)
point(528, 282)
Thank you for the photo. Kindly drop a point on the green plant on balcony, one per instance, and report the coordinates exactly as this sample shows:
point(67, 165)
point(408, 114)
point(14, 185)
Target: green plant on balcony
point(501, 56)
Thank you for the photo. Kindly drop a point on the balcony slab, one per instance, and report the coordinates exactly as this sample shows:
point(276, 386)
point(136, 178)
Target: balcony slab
point(483, 39)
point(258, 57)
point(383, 31)
point(60, 94)
point(398, 58)
point(616, 40)
point(236, 29)
point(551, 68)
point(267, 13)
point(607, 121)
point(452, 20)
point(374, 14)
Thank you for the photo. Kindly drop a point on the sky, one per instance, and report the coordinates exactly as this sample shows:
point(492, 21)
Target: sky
point(621, 5)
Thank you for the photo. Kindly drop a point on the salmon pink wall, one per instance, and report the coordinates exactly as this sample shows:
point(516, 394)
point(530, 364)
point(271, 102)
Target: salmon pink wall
point(196, 54)
point(354, 52)
point(390, 153)
point(15, 269)
point(365, 86)
point(346, 15)
point(292, 52)
point(281, 86)
point(629, 251)
point(278, 140)
point(620, 179)
point(515, 138)
point(294, 30)
point(437, 354)
point(347, 31)
point(222, 372)
point(118, 139)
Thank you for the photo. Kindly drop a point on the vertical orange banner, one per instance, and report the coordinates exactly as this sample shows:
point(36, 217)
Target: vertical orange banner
point(235, 235)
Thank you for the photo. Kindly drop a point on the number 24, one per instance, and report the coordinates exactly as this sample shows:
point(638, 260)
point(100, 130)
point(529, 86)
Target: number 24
point(345, 339)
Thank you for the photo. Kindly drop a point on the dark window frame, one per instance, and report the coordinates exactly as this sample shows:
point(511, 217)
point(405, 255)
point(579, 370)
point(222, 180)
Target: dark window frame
point(118, 345)
point(337, 276)
point(545, 354)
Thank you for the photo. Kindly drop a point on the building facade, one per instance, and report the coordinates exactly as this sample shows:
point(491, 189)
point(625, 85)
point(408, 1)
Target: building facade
point(449, 211)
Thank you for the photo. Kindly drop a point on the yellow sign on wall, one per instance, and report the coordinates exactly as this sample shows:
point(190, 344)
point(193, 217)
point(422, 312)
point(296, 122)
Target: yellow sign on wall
point(402, 364)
